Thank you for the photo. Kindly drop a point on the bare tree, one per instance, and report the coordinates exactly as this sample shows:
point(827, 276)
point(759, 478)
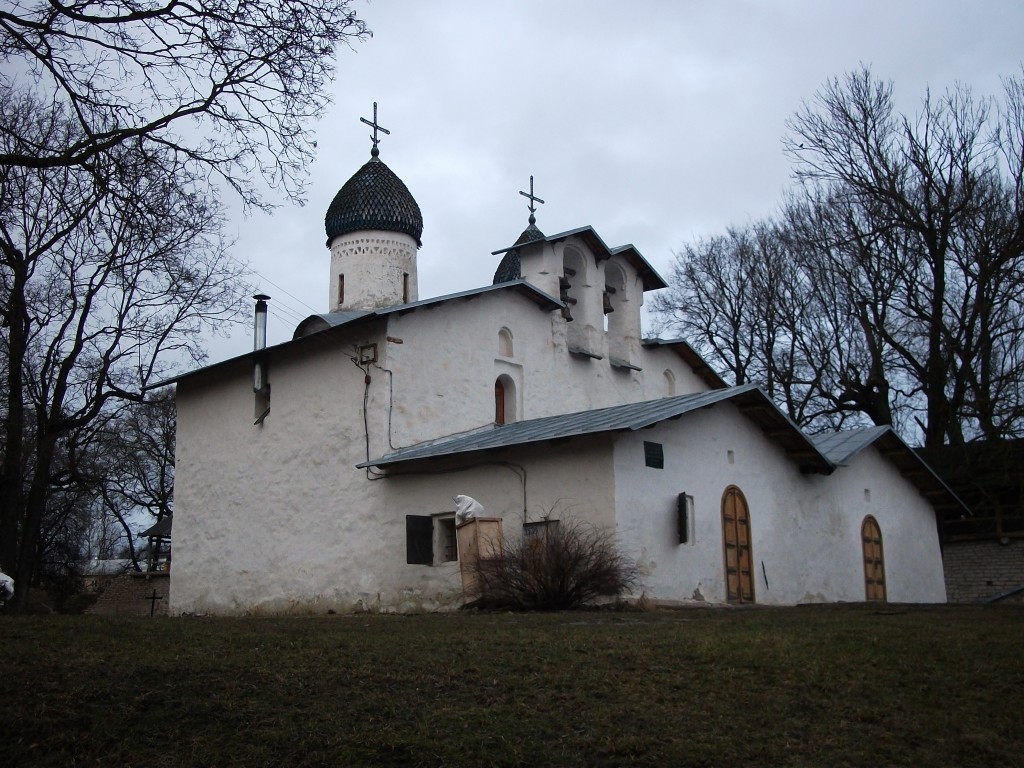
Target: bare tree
point(750, 308)
point(925, 233)
point(225, 84)
point(137, 480)
point(109, 272)
point(892, 285)
point(111, 256)
point(709, 300)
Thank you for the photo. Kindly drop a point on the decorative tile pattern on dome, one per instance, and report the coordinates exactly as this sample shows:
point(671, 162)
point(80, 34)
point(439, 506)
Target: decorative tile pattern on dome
point(510, 267)
point(374, 198)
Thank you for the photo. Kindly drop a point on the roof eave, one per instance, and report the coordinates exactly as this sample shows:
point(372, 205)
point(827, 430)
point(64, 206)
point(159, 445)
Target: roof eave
point(652, 281)
point(750, 399)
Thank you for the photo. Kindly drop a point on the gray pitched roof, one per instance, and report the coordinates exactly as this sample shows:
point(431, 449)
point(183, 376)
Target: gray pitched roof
point(692, 358)
point(315, 323)
point(632, 416)
point(840, 447)
point(161, 528)
point(820, 453)
point(652, 281)
point(330, 320)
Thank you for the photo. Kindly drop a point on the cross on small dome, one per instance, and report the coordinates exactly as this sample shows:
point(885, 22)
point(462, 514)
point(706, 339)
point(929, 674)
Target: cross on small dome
point(533, 199)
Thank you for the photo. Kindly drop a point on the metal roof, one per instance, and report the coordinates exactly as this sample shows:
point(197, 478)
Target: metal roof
point(817, 454)
point(691, 357)
point(651, 279)
point(160, 528)
point(315, 324)
point(750, 398)
point(840, 447)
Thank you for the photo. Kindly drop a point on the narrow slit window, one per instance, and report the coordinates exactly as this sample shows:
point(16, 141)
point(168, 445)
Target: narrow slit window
point(341, 290)
point(405, 287)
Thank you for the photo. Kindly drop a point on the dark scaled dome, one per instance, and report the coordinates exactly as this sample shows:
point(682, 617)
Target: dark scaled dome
point(374, 198)
point(510, 267)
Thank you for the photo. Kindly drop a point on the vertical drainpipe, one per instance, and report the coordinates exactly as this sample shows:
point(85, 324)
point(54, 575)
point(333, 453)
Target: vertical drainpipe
point(260, 385)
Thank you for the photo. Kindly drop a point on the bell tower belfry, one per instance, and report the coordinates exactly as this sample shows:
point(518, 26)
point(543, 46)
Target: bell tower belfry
point(373, 231)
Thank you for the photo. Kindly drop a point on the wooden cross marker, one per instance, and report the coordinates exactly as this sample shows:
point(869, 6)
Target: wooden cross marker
point(152, 602)
point(376, 128)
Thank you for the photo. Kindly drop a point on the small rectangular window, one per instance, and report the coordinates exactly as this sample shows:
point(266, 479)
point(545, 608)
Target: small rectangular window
point(405, 287)
point(341, 290)
point(430, 539)
point(654, 455)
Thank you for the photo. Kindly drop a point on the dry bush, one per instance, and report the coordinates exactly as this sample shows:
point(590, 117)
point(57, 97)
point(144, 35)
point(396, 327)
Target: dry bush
point(566, 567)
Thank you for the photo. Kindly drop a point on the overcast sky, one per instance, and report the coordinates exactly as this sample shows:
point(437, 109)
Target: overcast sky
point(655, 122)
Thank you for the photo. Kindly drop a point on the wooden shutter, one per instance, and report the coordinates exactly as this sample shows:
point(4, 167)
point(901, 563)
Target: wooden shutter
point(419, 540)
point(654, 455)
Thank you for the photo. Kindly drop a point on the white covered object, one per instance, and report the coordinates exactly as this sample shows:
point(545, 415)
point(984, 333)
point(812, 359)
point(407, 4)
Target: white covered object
point(6, 587)
point(466, 507)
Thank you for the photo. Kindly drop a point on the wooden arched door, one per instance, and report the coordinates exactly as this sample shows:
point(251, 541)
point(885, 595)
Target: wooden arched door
point(874, 560)
point(739, 571)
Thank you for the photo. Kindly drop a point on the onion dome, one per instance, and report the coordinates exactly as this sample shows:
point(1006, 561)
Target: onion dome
point(510, 268)
point(374, 198)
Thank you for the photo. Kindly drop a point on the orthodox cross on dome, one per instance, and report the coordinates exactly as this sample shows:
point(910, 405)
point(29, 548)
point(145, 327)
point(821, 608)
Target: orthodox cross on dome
point(376, 128)
point(533, 199)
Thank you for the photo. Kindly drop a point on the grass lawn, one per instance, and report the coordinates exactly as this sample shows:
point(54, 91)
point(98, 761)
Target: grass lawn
point(821, 686)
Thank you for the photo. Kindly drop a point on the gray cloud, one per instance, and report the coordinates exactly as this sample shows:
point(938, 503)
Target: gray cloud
point(654, 122)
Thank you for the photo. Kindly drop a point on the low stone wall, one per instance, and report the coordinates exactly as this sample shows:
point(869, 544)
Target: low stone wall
point(134, 594)
point(978, 570)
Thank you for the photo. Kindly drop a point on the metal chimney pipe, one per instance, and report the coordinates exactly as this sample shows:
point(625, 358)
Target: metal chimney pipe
point(260, 322)
point(259, 333)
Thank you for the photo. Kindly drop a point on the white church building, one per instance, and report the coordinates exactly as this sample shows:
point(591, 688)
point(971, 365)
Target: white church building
point(320, 473)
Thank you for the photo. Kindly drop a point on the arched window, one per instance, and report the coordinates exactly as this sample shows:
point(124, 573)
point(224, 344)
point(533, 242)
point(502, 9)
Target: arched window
point(505, 342)
point(670, 383)
point(499, 402)
point(504, 400)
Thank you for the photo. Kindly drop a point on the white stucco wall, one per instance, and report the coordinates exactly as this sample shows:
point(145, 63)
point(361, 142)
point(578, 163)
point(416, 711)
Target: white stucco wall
point(444, 369)
point(266, 515)
point(373, 263)
point(275, 518)
point(805, 529)
point(910, 537)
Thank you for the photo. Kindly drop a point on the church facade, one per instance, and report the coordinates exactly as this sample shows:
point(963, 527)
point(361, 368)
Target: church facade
point(330, 484)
